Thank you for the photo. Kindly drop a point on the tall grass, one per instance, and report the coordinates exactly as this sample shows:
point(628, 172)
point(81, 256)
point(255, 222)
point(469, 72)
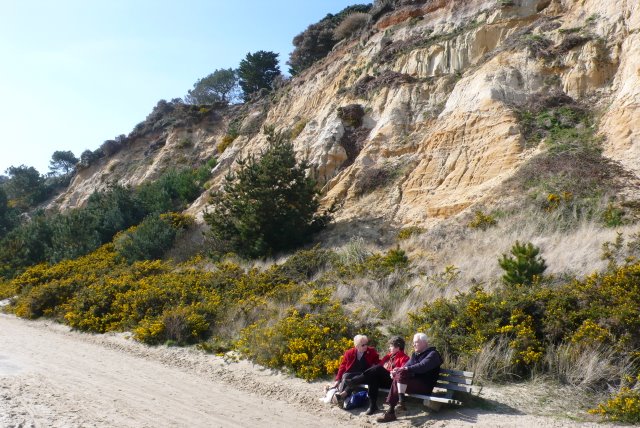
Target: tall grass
point(574, 251)
point(587, 368)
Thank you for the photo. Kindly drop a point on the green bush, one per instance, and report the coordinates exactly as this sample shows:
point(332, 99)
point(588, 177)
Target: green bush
point(375, 265)
point(181, 325)
point(603, 309)
point(171, 192)
point(482, 221)
point(613, 216)
point(152, 238)
point(317, 40)
point(297, 128)
point(524, 264)
point(56, 237)
point(225, 142)
point(24, 246)
point(114, 210)
point(407, 232)
point(204, 172)
point(304, 264)
point(268, 206)
point(72, 235)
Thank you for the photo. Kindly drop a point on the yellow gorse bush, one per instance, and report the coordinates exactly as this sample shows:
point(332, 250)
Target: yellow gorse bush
point(527, 346)
point(602, 309)
point(309, 344)
point(624, 406)
point(296, 324)
point(590, 333)
point(99, 292)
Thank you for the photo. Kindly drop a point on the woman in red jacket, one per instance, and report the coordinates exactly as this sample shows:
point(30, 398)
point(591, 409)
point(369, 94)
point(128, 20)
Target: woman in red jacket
point(379, 376)
point(354, 362)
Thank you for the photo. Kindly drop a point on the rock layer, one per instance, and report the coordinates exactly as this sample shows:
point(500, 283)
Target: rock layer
point(439, 84)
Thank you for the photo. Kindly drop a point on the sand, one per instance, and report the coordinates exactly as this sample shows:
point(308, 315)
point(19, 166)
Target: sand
point(53, 377)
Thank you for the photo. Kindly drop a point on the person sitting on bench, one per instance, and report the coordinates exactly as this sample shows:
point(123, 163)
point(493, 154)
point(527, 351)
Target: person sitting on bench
point(418, 376)
point(354, 362)
point(379, 376)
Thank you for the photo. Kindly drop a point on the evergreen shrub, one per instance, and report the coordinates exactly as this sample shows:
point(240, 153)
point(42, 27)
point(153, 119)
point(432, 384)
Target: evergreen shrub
point(524, 264)
point(268, 205)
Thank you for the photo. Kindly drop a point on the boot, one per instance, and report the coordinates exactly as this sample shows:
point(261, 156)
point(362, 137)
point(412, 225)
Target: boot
point(389, 416)
point(373, 408)
point(401, 405)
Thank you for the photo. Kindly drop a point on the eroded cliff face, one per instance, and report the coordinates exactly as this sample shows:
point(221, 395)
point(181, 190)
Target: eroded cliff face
point(439, 85)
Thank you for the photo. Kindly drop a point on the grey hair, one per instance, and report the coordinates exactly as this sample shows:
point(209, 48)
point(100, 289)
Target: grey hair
point(358, 338)
point(421, 336)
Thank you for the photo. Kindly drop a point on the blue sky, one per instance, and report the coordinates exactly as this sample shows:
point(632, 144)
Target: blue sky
point(74, 73)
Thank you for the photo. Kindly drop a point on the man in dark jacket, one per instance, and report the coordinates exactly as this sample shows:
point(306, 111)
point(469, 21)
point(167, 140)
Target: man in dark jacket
point(419, 375)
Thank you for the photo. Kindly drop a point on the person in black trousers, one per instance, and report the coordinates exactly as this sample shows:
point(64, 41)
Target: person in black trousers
point(379, 376)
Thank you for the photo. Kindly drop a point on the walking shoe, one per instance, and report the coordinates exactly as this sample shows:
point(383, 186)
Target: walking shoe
point(401, 407)
point(389, 416)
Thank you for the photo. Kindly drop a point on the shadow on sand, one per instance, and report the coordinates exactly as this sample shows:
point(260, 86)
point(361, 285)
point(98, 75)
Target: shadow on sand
point(418, 415)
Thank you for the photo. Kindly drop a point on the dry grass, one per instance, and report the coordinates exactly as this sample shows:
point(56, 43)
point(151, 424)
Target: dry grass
point(584, 369)
point(452, 257)
point(494, 361)
point(350, 25)
point(376, 300)
point(568, 252)
point(588, 369)
point(354, 251)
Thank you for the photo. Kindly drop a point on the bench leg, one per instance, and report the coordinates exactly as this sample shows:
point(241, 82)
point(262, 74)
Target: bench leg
point(432, 405)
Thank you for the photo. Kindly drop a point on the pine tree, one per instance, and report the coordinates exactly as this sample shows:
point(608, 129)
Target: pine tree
point(62, 162)
point(523, 265)
point(257, 71)
point(218, 87)
point(267, 206)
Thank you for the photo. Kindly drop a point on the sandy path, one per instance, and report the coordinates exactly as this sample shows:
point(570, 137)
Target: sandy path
point(49, 377)
point(53, 377)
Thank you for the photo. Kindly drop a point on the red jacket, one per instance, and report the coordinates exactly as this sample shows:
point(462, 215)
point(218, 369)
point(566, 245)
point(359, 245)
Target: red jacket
point(349, 358)
point(398, 360)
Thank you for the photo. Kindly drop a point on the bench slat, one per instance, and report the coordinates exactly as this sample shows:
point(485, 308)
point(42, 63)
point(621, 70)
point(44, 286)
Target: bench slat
point(437, 399)
point(455, 379)
point(454, 387)
point(448, 380)
point(448, 400)
point(458, 373)
point(441, 386)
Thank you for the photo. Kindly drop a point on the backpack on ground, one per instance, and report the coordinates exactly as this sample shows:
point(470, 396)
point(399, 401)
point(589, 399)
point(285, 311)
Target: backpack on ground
point(355, 400)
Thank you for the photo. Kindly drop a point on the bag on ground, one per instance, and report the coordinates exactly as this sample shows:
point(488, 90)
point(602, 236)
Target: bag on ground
point(357, 399)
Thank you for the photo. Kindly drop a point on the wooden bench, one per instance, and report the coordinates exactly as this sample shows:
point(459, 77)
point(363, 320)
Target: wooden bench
point(449, 382)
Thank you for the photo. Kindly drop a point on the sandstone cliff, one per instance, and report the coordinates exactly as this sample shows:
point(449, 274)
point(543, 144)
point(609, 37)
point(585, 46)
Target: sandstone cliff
point(438, 85)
